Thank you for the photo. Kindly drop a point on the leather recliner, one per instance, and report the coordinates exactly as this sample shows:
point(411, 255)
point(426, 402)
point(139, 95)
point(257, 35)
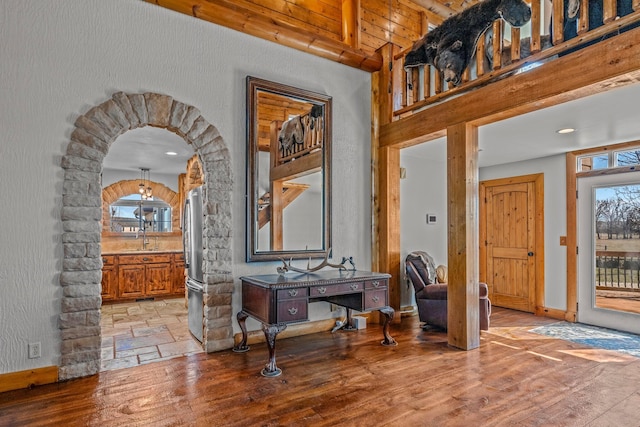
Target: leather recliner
point(431, 297)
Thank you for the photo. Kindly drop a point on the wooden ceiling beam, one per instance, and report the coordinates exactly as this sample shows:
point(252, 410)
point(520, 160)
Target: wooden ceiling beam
point(436, 7)
point(227, 14)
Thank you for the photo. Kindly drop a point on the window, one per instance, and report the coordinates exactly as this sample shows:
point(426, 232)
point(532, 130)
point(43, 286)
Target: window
point(129, 214)
point(607, 160)
point(627, 158)
point(593, 162)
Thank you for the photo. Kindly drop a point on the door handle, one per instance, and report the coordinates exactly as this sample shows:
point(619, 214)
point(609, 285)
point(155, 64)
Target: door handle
point(530, 253)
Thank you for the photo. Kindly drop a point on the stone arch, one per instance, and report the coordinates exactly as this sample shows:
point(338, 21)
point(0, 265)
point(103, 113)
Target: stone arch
point(193, 176)
point(93, 134)
point(123, 188)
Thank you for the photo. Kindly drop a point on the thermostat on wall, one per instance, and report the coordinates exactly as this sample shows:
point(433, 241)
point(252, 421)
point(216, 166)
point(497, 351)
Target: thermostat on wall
point(431, 218)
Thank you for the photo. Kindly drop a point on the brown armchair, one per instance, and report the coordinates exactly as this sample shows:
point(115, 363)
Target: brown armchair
point(431, 297)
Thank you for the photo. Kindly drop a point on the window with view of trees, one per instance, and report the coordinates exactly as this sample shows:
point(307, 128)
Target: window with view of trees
point(617, 243)
point(609, 160)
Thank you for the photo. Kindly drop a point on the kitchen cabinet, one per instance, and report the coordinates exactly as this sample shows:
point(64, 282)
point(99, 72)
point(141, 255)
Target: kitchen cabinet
point(142, 275)
point(178, 274)
point(109, 278)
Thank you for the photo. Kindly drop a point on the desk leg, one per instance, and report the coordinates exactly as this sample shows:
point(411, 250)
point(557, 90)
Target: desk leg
point(388, 317)
point(270, 333)
point(242, 318)
point(348, 326)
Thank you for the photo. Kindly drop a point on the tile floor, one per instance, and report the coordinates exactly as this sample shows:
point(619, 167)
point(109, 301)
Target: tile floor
point(141, 332)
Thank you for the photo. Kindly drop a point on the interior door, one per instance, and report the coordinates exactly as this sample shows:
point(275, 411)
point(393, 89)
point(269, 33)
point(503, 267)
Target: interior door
point(608, 273)
point(511, 241)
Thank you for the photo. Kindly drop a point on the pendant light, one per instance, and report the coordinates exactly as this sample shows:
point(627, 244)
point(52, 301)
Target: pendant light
point(145, 190)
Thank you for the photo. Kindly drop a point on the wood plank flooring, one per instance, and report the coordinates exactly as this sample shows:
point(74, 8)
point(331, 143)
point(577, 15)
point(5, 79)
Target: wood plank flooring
point(514, 378)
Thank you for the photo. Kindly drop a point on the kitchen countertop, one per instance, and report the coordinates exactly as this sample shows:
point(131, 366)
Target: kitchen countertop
point(148, 251)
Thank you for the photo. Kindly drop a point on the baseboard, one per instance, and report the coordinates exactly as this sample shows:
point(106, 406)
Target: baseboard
point(295, 330)
point(553, 313)
point(28, 378)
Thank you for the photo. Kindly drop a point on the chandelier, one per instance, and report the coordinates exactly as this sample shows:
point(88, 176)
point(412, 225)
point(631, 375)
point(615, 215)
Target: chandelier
point(145, 190)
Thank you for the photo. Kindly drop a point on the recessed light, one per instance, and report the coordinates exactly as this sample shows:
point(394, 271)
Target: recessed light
point(171, 153)
point(566, 130)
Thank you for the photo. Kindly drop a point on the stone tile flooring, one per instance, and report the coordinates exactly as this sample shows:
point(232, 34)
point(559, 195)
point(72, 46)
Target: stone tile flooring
point(141, 332)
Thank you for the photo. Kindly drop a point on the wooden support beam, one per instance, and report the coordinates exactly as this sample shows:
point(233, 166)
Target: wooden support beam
point(463, 329)
point(389, 225)
point(381, 113)
point(230, 15)
point(436, 7)
point(572, 238)
point(351, 23)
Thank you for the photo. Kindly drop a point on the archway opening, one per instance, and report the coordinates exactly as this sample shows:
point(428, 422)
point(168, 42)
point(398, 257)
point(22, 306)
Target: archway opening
point(81, 217)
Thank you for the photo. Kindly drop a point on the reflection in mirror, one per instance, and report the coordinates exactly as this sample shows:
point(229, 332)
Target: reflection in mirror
point(289, 135)
point(130, 214)
point(617, 248)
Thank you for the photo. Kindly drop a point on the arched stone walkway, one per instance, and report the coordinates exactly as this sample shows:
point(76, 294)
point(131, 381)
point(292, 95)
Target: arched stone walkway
point(81, 217)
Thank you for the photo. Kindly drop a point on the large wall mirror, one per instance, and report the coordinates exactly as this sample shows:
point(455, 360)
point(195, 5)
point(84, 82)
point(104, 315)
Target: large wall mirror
point(288, 172)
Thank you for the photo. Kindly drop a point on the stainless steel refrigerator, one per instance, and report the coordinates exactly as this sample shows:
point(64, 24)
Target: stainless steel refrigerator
point(193, 248)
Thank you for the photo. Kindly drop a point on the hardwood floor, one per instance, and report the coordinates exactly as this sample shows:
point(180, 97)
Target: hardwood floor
point(348, 378)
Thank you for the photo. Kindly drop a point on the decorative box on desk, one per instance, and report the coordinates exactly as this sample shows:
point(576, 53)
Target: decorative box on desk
point(279, 299)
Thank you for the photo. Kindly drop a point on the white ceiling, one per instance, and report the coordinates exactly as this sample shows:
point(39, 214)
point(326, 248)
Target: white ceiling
point(606, 118)
point(145, 148)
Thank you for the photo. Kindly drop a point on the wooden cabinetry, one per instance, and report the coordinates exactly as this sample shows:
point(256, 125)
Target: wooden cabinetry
point(109, 278)
point(178, 274)
point(136, 276)
point(144, 275)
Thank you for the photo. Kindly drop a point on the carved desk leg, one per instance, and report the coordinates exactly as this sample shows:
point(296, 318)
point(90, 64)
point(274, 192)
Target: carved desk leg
point(388, 317)
point(270, 333)
point(242, 318)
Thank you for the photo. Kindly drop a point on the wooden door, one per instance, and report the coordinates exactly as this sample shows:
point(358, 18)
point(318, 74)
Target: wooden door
point(109, 282)
point(131, 281)
point(511, 221)
point(158, 278)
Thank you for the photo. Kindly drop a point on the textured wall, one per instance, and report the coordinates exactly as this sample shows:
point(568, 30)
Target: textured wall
point(555, 199)
point(415, 234)
point(61, 58)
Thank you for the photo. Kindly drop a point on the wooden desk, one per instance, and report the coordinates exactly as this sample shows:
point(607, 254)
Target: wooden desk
point(277, 300)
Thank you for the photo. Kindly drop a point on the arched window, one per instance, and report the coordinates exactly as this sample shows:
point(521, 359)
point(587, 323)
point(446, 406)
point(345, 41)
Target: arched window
point(130, 214)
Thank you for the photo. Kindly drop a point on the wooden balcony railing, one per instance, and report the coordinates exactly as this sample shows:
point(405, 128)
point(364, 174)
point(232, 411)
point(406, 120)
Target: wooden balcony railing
point(417, 88)
point(619, 271)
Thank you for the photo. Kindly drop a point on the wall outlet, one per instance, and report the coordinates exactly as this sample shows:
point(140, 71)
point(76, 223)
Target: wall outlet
point(431, 218)
point(34, 350)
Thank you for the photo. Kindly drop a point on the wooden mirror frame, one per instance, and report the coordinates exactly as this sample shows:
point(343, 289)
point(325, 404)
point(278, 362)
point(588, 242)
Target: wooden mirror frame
point(254, 86)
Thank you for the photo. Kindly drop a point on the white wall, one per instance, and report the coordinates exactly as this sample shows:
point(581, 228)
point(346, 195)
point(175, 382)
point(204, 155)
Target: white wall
point(555, 222)
point(424, 190)
point(58, 59)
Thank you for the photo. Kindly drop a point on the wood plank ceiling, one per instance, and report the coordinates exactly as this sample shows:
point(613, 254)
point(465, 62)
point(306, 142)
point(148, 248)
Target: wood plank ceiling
point(346, 31)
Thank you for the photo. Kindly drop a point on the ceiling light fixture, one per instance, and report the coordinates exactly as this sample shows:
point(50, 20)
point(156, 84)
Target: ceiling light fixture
point(171, 153)
point(145, 190)
point(566, 130)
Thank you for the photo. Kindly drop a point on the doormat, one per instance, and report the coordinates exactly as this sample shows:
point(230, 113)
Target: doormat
point(593, 336)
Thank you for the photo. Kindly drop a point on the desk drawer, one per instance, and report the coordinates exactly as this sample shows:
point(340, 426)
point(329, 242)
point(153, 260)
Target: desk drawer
point(375, 284)
point(295, 293)
point(292, 310)
point(375, 299)
point(337, 289)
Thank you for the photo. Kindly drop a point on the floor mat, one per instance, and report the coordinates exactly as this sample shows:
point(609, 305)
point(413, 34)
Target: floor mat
point(593, 336)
